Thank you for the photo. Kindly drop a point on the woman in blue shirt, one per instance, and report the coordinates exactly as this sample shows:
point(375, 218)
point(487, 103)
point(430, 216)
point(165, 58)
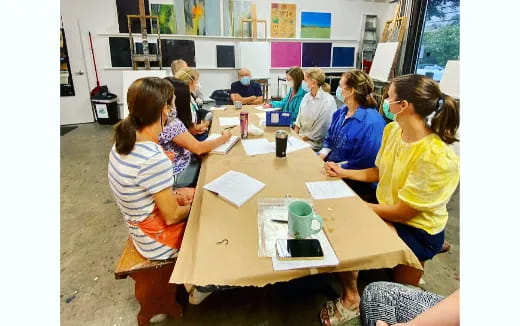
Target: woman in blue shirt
point(291, 102)
point(356, 130)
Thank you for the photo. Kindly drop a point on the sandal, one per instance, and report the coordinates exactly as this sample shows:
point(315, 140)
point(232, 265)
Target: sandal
point(332, 319)
point(445, 247)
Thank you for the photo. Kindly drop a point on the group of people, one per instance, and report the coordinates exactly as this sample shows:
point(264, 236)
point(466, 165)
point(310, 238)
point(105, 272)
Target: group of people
point(405, 170)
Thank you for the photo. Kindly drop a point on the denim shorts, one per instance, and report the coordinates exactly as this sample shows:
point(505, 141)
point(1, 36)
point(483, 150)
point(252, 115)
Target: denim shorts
point(423, 244)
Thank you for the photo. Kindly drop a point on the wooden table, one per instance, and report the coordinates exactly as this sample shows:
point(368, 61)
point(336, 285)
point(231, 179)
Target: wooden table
point(359, 237)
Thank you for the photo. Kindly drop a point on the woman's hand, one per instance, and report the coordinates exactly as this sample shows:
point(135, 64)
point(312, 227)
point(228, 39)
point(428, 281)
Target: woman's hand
point(305, 138)
point(184, 196)
point(226, 135)
point(201, 128)
point(333, 170)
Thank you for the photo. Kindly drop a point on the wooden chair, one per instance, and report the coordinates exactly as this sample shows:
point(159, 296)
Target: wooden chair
point(152, 288)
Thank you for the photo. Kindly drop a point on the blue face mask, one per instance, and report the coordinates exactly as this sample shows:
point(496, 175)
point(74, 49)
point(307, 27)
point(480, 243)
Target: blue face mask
point(386, 109)
point(245, 80)
point(340, 96)
point(305, 86)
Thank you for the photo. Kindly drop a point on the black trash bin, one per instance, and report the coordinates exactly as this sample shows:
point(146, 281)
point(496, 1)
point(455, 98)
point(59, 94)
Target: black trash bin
point(105, 108)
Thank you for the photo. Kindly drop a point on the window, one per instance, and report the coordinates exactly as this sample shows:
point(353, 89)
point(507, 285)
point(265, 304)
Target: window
point(440, 37)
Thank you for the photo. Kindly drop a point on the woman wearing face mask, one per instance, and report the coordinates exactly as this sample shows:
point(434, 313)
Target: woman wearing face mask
point(354, 135)
point(196, 123)
point(139, 172)
point(177, 139)
point(316, 109)
point(291, 102)
point(417, 172)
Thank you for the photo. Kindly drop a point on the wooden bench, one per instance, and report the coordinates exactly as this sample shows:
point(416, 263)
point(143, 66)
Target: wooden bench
point(152, 289)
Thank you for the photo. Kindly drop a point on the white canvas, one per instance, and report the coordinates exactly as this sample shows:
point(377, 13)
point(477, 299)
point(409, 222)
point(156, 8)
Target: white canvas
point(130, 76)
point(450, 83)
point(383, 60)
point(206, 54)
point(255, 56)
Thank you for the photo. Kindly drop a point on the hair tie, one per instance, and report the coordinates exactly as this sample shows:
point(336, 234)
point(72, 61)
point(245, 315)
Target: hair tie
point(440, 103)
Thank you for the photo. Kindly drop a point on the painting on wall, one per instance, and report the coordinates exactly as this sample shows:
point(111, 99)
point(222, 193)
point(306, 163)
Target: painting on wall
point(167, 19)
point(124, 8)
point(283, 20)
point(120, 52)
point(343, 56)
point(286, 54)
point(178, 49)
point(225, 56)
point(234, 12)
point(315, 24)
point(316, 54)
point(202, 17)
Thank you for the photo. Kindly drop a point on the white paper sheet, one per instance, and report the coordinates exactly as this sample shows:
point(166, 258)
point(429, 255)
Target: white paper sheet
point(228, 122)
point(261, 108)
point(217, 108)
point(329, 189)
point(224, 148)
point(329, 257)
point(293, 144)
point(257, 146)
point(235, 187)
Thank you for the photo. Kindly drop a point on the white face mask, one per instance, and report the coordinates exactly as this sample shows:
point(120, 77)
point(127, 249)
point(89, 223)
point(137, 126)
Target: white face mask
point(199, 86)
point(290, 83)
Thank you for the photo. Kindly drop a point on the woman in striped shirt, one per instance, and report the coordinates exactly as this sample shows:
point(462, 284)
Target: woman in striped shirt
point(140, 172)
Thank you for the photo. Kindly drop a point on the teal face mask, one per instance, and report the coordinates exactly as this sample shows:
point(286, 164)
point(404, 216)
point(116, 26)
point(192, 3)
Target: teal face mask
point(245, 81)
point(386, 109)
point(340, 96)
point(305, 86)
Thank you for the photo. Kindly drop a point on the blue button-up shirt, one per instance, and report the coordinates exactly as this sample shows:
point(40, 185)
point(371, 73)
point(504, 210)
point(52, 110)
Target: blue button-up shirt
point(355, 139)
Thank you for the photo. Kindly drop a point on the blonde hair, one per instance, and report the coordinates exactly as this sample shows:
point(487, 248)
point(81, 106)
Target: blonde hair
point(317, 75)
point(187, 75)
point(178, 65)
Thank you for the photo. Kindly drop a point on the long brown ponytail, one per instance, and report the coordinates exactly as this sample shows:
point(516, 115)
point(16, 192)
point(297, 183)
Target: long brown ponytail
point(440, 111)
point(146, 98)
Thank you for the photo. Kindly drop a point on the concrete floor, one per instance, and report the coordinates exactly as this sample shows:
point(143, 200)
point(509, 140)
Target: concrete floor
point(93, 235)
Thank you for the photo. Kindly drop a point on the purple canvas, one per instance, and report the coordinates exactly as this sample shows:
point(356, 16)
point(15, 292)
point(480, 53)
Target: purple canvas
point(286, 54)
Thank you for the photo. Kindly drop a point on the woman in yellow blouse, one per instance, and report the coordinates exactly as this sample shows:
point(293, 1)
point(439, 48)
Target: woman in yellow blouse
point(417, 172)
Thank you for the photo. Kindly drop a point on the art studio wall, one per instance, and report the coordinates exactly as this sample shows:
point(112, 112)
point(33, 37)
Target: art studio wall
point(101, 19)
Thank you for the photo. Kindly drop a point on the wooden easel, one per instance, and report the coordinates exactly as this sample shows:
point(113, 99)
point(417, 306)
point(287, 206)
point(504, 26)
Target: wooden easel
point(393, 31)
point(146, 57)
point(254, 22)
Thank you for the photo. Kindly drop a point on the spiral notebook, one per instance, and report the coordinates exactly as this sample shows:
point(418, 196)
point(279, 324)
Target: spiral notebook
point(224, 148)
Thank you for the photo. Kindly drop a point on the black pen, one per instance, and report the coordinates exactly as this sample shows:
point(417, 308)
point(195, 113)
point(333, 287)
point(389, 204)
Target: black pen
point(228, 128)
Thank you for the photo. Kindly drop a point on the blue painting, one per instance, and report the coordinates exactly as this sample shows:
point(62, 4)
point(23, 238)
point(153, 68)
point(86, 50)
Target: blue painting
point(343, 56)
point(316, 54)
point(315, 24)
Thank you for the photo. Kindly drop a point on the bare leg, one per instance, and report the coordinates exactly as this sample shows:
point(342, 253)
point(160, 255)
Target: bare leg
point(350, 298)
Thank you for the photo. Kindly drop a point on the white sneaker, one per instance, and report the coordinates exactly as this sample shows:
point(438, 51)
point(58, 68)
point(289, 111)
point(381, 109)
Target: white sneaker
point(197, 297)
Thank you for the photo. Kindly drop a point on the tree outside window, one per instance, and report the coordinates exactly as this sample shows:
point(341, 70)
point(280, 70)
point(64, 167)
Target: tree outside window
point(441, 37)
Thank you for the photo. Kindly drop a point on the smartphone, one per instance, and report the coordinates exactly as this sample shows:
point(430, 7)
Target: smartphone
point(299, 249)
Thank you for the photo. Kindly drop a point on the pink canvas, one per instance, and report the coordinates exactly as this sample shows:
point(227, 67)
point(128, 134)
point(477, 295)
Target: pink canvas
point(286, 54)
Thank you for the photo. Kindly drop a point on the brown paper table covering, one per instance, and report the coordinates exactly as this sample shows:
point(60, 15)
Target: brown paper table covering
point(359, 237)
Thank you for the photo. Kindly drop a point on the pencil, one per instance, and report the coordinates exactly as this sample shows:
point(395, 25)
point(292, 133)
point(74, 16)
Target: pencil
point(228, 128)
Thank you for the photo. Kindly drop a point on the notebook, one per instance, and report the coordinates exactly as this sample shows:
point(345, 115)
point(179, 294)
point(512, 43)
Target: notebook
point(235, 187)
point(224, 148)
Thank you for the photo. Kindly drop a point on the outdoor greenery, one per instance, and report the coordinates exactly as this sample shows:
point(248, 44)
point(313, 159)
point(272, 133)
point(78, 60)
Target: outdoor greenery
point(441, 44)
point(441, 37)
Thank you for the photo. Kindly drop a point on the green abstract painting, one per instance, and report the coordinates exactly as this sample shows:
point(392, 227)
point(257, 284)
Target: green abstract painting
point(167, 21)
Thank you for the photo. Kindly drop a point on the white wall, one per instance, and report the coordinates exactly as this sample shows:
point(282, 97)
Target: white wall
point(100, 18)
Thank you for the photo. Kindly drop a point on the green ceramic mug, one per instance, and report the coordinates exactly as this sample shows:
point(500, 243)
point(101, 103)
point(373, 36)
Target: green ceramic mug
point(301, 216)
